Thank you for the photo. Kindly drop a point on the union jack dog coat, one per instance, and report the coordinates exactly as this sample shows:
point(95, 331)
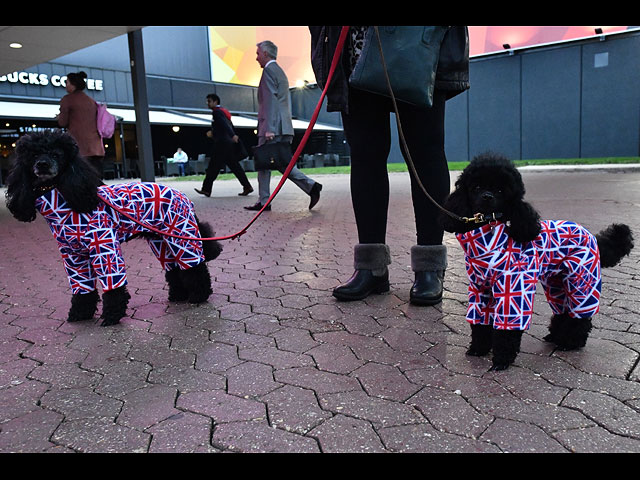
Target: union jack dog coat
point(90, 242)
point(503, 273)
point(50, 177)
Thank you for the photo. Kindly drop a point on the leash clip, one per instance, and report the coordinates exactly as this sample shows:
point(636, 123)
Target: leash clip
point(492, 219)
point(477, 218)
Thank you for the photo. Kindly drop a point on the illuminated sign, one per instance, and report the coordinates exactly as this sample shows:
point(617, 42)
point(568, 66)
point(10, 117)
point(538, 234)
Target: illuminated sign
point(233, 53)
point(233, 48)
point(42, 79)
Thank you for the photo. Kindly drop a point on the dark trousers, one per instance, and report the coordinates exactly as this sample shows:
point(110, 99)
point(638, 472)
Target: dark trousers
point(367, 128)
point(223, 154)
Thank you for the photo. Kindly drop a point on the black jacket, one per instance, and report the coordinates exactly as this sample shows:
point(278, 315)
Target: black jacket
point(221, 126)
point(452, 75)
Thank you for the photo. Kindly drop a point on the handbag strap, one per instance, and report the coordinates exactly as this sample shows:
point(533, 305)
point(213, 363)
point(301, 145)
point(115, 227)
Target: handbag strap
point(478, 217)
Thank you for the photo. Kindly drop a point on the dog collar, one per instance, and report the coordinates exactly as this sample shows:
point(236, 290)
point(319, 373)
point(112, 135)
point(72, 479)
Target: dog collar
point(43, 189)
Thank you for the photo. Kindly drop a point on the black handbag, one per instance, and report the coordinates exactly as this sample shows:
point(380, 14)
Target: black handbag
point(272, 156)
point(411, 56)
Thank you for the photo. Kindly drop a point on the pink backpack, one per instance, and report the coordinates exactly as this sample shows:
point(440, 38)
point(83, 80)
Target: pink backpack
point(106, 122)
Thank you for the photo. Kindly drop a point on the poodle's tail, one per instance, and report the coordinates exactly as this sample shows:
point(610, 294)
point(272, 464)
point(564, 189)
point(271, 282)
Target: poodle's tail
point(211, 248)
point(614, 242)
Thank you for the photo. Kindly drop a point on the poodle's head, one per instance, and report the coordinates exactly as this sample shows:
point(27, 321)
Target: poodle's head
point(45, 160)
point(45, 155)
point(492, 186)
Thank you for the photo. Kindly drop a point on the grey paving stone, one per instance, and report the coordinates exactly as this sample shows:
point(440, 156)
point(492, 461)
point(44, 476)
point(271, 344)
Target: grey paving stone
point(294, 409)
point(98, 435)
point(341, 434)
point(258, 437)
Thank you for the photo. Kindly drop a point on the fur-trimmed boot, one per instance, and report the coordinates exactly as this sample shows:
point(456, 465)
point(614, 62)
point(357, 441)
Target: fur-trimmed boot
point(371, 274)
point(429, 263)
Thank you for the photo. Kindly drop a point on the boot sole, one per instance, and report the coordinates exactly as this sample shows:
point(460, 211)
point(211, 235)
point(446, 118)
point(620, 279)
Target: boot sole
point(425, 302)
point(379, 289)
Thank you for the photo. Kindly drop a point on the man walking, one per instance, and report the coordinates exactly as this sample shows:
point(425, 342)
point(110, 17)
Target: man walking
point(274, 123)
point(224, 151)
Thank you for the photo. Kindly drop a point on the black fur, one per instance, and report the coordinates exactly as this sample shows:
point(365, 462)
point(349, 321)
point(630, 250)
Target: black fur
point(51, 159)
point(489, 185)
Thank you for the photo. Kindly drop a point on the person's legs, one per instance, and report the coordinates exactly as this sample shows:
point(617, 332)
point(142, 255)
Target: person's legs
point(211, 173)
point(368, 134)
point(300, 179)
point(306, 184)
point(367, 131)
point(227, 151)
point(264, 187)
point(424, 133)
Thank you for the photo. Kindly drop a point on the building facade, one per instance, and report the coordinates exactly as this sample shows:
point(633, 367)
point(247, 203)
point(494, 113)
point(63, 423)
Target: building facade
point(178, 78)
point(574, 99)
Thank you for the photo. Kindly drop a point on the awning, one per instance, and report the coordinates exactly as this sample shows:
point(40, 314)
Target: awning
point(242, 121)
point(48, 111)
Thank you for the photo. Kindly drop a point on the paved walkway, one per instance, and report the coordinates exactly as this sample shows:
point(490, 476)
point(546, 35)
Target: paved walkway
point(274, 364)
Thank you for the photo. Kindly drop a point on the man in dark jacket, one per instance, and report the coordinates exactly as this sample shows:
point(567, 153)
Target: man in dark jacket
point(366, 121)
point(224, 151)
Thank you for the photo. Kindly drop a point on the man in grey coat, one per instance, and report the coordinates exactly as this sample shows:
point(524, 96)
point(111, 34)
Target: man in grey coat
point(274, 123)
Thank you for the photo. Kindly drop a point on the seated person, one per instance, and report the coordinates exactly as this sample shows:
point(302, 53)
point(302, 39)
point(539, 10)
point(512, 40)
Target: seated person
point(181, 158)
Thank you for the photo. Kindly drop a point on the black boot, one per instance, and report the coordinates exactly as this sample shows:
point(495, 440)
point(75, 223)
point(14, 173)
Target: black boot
point(429, 263)
point(371, 274)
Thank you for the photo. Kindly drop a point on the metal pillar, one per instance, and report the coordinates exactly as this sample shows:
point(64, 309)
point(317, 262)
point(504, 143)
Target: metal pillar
point(141, 105)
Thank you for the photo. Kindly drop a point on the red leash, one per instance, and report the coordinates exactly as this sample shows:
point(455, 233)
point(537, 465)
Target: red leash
point(285, 175)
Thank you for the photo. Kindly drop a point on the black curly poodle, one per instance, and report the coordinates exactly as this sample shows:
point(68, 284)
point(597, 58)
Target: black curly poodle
point(508, 249)
point(51, 177)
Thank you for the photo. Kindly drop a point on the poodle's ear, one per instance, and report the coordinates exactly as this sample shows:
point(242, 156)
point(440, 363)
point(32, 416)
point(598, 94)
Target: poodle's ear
point(21, 199)
point(524, 222)
point(78, 185)
point(458, 204)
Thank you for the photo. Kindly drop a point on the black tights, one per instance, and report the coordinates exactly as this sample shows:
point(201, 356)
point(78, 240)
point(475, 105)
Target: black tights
point(367, 128)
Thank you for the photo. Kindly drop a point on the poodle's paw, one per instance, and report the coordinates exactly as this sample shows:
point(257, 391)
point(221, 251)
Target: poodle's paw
point(114, 306)
point(568, 347)
point(110, 321)
point(74, 317)
point(200, 297)
point(181, 296)
point(502, 361)
point(549, 338)
point(499, 366)
point(475, 351)
point(83, 306)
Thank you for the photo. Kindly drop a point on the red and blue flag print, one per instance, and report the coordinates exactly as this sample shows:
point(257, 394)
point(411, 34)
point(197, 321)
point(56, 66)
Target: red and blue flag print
point(503, 274)
point(90, 242)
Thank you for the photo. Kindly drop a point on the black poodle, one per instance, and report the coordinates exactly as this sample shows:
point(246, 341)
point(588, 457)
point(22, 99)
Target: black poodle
point(90, 220)
point(508, 249)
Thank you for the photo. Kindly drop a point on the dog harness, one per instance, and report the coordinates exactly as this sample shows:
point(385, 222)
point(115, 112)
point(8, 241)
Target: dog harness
point(503, 273)
point(90, 242)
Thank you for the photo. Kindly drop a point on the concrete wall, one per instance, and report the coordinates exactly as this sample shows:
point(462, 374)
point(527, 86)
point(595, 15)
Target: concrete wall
point(578, 99)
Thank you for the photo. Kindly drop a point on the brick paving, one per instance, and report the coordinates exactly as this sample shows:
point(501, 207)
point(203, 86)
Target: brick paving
point(274, 364)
